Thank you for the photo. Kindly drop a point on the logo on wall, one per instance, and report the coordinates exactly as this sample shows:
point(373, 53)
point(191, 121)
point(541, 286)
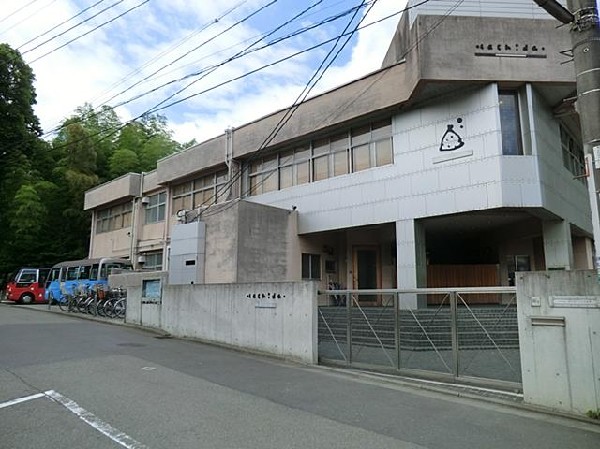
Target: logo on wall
point(523, 50)
point(451, 140)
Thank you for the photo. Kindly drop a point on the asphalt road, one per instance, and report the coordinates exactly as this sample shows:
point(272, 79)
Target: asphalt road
point(67, 382)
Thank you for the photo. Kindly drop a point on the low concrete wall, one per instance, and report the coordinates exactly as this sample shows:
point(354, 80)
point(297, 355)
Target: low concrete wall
point(277, 318)
point(559, 333)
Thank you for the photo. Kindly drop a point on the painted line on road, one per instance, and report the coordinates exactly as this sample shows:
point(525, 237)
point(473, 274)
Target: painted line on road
point(23, 399)
point(89, 418)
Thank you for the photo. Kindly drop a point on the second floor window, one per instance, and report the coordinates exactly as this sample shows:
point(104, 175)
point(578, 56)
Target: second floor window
point(155, 209)
point(113, 218)
point(204, 191)
point(358, 149)
point(510, 123)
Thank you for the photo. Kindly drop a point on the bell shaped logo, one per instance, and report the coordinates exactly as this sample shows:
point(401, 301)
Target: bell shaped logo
point(451, 140)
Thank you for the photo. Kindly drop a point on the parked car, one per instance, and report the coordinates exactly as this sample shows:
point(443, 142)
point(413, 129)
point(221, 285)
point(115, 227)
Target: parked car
point(27, 285)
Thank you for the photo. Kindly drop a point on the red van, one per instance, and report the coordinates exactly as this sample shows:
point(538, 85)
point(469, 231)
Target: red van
point(27, 285)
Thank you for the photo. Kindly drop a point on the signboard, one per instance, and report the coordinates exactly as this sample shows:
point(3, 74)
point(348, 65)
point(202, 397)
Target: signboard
point(575, 302)
point(151, 290)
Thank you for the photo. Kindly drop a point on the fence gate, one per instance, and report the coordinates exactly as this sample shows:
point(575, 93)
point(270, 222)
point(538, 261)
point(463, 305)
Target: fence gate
point(444, 333)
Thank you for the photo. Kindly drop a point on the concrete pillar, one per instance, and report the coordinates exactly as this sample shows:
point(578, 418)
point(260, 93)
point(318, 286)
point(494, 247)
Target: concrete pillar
point(411, 260)
point(583, 253)
point(558, 246)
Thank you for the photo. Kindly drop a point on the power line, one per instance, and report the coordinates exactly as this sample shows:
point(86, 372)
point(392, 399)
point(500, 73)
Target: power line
point(269, 44)
point(109, 133)
point(261, 148)
point(169, 50)
point(139, 5)
point(312, 82)
point(36, 12)
point(60, 24)
point(73, 27)
point(245, 19)
point(240, 53)
point(295, 33)
point(294, 107)
point(154, 109)
point(18, 10)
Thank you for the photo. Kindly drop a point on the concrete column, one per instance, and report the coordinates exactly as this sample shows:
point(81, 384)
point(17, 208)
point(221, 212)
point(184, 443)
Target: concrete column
point(411, 260)
point(583, 253)
point(558, 246)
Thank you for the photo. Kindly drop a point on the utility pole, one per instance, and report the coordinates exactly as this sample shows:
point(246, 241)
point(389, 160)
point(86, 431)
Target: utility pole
point(582, 15)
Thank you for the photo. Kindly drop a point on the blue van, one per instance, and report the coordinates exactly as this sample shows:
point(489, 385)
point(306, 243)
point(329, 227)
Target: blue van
point(72, 277)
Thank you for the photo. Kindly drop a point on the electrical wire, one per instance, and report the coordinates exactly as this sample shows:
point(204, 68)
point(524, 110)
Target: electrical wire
point(167, 51)
point(245, 19)
point(139, 5)
point(73, 27)
point(420, 39)
point(35, 13)
point(39, 36)
point(109, 133)
point(295, 33)
point(313, 81)
point(18, 10)
point(243, 52)
point(220, 191)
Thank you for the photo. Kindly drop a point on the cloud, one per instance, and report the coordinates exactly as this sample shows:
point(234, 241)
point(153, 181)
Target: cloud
point(113, 60)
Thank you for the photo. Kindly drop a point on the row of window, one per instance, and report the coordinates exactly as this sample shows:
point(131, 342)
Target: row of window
point(512, 143)
point(358, 149)
point(352, 151)
point(113, 218)
point(203, 191)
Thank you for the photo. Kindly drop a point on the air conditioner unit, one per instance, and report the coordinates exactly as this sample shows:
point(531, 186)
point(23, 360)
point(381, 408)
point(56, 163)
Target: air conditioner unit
point(145, 200)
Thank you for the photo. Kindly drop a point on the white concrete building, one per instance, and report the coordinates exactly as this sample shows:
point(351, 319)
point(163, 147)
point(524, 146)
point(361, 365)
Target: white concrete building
point(457, 163)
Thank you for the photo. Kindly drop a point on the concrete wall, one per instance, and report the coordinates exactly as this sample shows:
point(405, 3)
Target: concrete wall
point(559, 333)
point(379, 91)
point(561, 194)
point(111, 244)
point(249, 242)
point(125, 186)
point(481, 8)
point(277, 318)
point(540, 41)
point(424, 182)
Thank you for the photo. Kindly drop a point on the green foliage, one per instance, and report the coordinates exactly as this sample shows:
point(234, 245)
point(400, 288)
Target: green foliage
point(594, 414)
point(19, 140)
point(43, 184)
point(124, 161)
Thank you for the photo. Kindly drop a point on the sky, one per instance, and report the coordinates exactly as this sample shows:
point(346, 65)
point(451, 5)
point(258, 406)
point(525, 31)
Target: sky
point(204, 65)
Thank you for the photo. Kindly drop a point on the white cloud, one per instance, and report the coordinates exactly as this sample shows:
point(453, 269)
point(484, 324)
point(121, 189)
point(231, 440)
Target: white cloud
point(114, 57)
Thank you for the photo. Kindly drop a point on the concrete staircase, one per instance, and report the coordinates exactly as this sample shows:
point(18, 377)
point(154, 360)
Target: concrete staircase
point(421, 329)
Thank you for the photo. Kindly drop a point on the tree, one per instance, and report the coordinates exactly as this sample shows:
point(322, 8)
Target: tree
point(148, 139)
point(20, 140)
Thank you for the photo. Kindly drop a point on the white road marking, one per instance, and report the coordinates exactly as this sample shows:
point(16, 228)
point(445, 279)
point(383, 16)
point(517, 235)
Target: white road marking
point(23, 399)
point(89, 418)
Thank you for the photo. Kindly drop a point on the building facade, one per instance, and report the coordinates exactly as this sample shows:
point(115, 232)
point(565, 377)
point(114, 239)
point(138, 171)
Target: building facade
point(458, 163)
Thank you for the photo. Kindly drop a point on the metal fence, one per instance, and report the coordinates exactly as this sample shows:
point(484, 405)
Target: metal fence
point(467, 335)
